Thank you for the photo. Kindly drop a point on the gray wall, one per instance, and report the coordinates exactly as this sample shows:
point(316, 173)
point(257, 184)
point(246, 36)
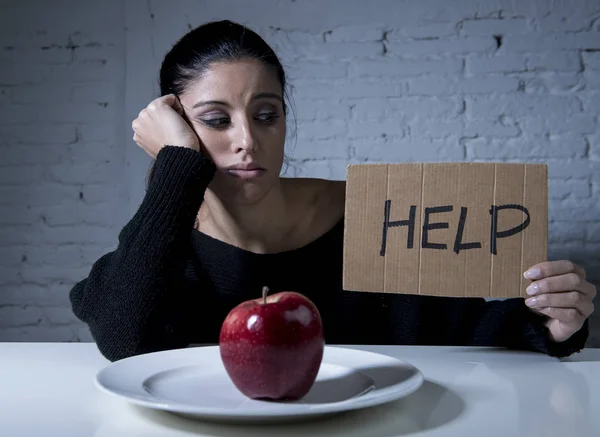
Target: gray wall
point(371, 81)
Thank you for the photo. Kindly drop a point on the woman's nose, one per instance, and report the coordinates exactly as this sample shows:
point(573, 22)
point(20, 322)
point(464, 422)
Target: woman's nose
point(245, 140)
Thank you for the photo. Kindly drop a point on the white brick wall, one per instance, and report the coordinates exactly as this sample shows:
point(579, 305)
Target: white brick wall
point(61, 157)
point(370, 81)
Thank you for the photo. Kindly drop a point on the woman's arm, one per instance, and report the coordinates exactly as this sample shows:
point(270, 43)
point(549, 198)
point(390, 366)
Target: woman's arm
point(135, 297)
point(505, 323)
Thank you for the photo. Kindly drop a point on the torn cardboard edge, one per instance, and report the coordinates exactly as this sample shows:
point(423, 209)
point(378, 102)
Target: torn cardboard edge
point(444, 229)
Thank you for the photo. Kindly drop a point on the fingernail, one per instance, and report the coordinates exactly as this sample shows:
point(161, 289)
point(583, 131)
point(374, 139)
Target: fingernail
point(533, 273)
point(533, 288)
point(531, 301)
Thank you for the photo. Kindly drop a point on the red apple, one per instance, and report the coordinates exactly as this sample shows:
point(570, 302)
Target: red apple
point(272, 347)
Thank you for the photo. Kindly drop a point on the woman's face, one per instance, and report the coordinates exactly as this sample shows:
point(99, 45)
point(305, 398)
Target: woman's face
point(236, 109)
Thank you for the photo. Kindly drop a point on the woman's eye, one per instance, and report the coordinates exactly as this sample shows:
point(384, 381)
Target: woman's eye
point(215, 122)
point(268, 117)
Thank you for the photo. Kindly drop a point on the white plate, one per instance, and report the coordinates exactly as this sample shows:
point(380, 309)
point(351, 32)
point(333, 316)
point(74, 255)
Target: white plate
point(194, 383)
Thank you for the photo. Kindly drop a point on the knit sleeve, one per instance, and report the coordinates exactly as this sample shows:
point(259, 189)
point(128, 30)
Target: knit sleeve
point(132, 299)
point(503, 323)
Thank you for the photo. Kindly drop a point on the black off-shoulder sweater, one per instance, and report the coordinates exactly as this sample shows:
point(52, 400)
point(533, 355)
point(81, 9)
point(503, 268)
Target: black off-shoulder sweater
point(167, 285)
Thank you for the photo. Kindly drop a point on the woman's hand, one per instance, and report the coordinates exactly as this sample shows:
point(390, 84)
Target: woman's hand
point(162, 123)
point(560, 291)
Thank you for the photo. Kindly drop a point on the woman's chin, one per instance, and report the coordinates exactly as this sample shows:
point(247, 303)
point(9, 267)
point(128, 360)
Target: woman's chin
point(244, 192)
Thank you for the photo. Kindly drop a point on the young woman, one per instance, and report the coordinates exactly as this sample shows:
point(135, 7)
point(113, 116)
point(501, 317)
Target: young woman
point(218, 223)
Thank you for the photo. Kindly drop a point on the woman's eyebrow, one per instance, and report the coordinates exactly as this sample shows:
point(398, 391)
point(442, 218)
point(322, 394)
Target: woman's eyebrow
point(255, 97)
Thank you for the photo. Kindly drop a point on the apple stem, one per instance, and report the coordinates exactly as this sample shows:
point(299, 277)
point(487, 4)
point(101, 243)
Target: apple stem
point(265, 291)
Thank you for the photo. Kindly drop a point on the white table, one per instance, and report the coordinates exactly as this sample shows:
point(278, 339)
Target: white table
point(47, 390)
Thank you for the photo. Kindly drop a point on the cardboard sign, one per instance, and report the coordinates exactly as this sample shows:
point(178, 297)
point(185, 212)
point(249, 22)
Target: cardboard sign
point(445, 229)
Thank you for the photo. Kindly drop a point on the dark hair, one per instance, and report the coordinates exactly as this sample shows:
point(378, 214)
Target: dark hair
point(217, 41)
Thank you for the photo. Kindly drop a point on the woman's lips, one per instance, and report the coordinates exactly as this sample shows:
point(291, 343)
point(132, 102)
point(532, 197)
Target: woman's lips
point(250, 173)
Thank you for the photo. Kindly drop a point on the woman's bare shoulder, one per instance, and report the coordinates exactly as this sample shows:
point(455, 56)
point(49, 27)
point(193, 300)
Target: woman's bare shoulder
point(320, 202)
point(328, 196)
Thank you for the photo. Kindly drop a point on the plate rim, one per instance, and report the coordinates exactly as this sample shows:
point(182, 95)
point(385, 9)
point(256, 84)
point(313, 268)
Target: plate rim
point(385, 395)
